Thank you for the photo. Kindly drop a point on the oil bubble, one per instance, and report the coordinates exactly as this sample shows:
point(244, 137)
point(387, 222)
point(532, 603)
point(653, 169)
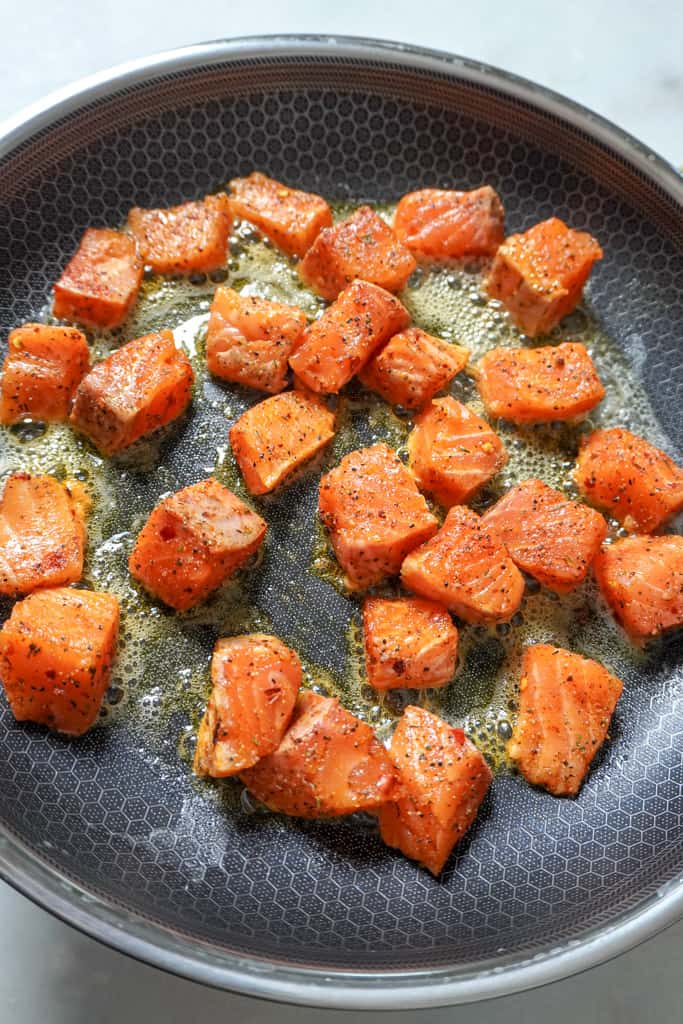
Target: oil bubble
point(27, 431)
point(504, 729)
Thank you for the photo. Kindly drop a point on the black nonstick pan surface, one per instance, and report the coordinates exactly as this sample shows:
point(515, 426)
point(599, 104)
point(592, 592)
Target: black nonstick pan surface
point(110, 831)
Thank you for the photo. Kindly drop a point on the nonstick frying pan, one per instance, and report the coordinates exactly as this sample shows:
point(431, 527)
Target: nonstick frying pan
point(118, 842)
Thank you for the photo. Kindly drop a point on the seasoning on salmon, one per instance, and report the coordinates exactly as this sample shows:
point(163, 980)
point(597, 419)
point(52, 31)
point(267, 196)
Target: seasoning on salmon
point(566, 703)
point(412, 367)
point(290, 218)
point(446, 224)
point(409, 642)
point(641, 579)
point(453, 452)
point(361, 247)
point(467, 568)
point(42, 369)
point(255, 681)
point(249, 340)
point(42, 533)
point(539, 275)
point(444, 779)
point(635, 481)
point(56, 653)
point(537, 385)
point(193, 541)
point(551, 538)
point(375, 514)
point(339, 343)
point(329, 763)
point(140, 387)
point(101, 281)
point(187, 239)
point(272, 439)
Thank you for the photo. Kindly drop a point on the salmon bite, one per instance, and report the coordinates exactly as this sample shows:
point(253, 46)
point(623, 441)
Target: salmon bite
point(362, 246)
point(142, 386)
point(374, 513)
point(255, 681)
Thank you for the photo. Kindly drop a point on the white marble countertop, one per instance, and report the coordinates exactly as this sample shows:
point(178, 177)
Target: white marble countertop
point(623, 59)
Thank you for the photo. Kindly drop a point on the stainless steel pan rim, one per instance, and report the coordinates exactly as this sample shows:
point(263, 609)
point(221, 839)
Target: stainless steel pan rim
point(130, 933)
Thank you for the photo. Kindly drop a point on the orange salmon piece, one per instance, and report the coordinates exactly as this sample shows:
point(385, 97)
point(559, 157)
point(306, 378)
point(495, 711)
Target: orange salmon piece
point(375, 514)
point(275, 437)
point(56, 653)
point(551, 538)
point(187, 239)
point(446, 224)
point(641, 579)
point(409, 642)
point(566, 703)
point(193, 541)
point(453, 452)
point(290, 218)
point(634, 480)
point(361, 247)
point(329, 763)
point(101, 281)
point(538, 385)
point(255, 681)
point(467, 568)
point(339, 343)
point(42, 533)
point(539, 275)
point(412, 367)
point(444, 779)
point(140, 387)
point(42, 369)
point(249, 340)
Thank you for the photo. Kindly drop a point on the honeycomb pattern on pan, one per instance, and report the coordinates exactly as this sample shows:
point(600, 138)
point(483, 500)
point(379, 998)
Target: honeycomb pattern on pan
point(534, 871)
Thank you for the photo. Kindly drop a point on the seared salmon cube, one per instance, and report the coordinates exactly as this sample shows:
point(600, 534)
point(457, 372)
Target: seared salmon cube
point(551, 538)
point(412, 367)
point(193, 541)
point(249, 340)
point(255, 680)
point(409, 642)
point(444, 224)
point(444, 779)
point(42, 533)
point(101, 281)
point(42, 369)
point(375, 514)
point(56, 653)
point(290, 218)
point(641, 578)
point(329, 763)
point(361, 247)
point(538, 385)
point(539, 275)
point(275, 437)
point(467, 568)
point(188, 239)
point(339, 344)
point(638, 483)
point(566, 703)
point(453, 452)
point(140, 387)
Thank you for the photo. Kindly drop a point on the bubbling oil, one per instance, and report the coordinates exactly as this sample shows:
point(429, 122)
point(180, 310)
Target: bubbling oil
point(161, 680)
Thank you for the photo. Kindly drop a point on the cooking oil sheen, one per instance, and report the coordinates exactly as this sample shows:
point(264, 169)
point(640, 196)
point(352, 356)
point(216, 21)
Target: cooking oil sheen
point(161, 679)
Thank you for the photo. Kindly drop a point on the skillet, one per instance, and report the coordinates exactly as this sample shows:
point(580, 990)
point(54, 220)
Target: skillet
point(110, 833)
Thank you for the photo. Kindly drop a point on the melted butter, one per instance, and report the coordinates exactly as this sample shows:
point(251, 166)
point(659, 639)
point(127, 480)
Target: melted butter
point(161, 677)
